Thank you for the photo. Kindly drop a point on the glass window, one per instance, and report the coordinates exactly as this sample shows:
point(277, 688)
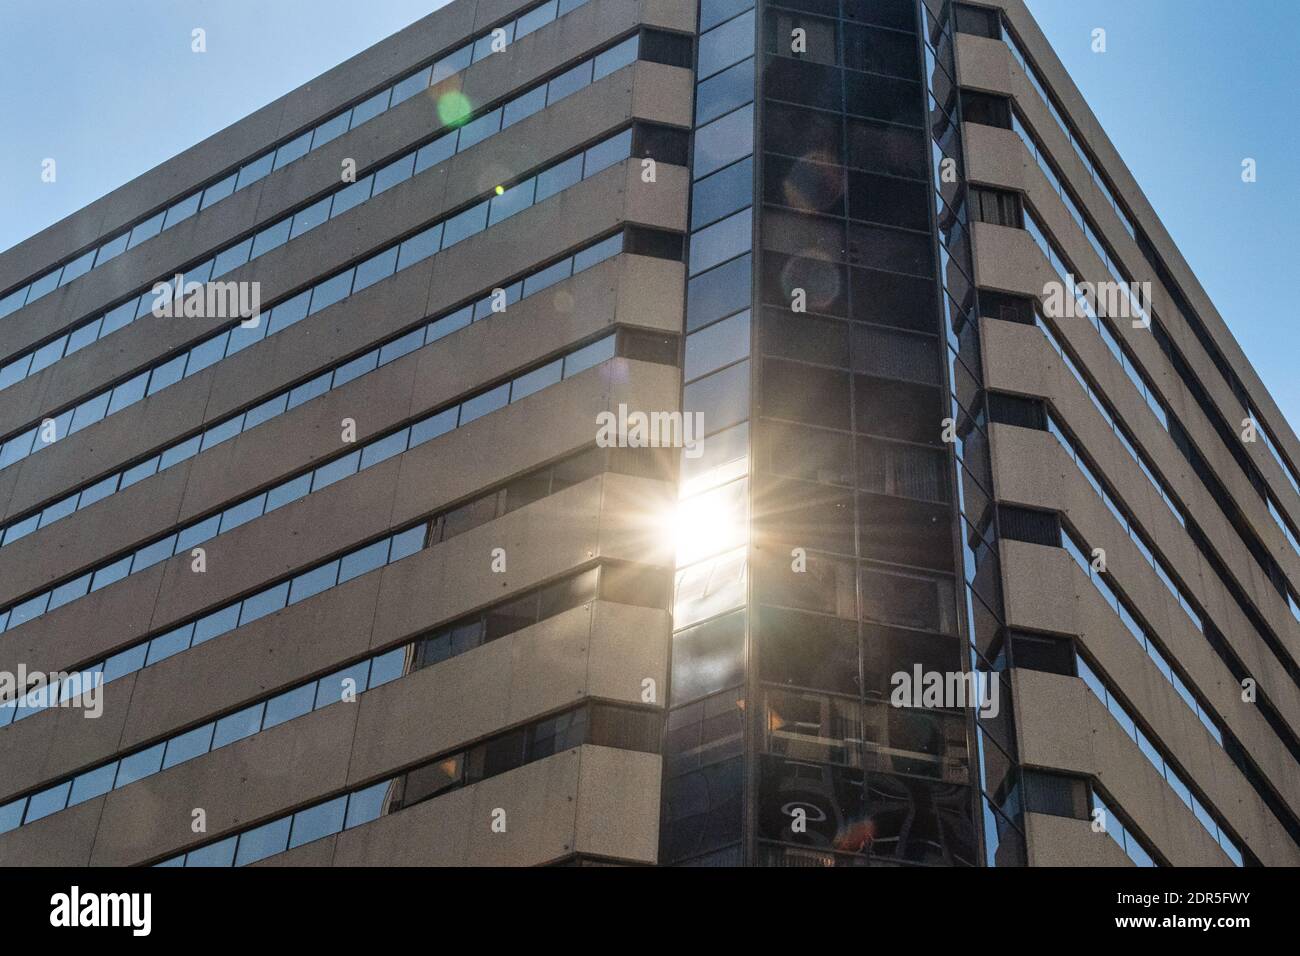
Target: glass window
point(108, 250)
point(368, 804)
point(267, 602)
point(535, 380)
point(480, 405)
point(197, 533)
point(358, 366)
point(272, 237)
point(465, 224)
point(370, 108)
point(535, 19)
point(719, 292)
point(606, 154)
point(722, 398)
point(598, 253)
point(294, 149)
point(411, 85)
point(150, 555)
point(48, 801)
point(91, 784)
point(728, 44)
point(310, 218)
point(82, 264)
point(287, 492)
point(287, 706)
point(16, 370)
point(138, 765)
point(207, 353)
point(716, 346)
point(515, 199)
point(142, 231)
point(343, 685)
point(242, 513)
point(313, 582)
point(385, 448)
point(589, 356)
point(475, 131)
point(167, 374)
point(332, 290)
point(237, 726)
point(337, 470)
point(522, 107)
point(721, 241)
point(442, 148)
point(165, 645)
point(217, 623)
point(724, 140)
point(69, 591)
point(331, 129)
point(362, 560)
point(261, 842)
point(570, 82)
point(398, 347)
point(548, 277)
point(376, 268)
point(217, 854)
point(89, 412)
point(120, 316)
point(188, 745)
point(218, 191)
point(433, 426)
point(395, 172)
point(558, 177)
point(451, 63)
point(724, 192)
point(419, 246)
point(353, 195)
point(614, 58)
point(252, 172)
point(318, 821)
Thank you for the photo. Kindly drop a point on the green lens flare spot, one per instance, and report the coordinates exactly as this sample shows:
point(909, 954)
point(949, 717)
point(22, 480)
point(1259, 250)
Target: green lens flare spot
point(453, 108)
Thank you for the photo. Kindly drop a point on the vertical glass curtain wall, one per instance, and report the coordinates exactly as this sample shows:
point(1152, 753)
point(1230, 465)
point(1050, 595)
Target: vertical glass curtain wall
point(854, 551)
point(984, 621)
point(703, 796)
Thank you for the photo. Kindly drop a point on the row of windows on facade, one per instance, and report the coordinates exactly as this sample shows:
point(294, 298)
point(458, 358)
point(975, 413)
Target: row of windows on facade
point(1045, 528)
point(439, 236)
point(297, 147)
point(652, 45)
point(630, 344)
point(1009, 201)
point(603, 725)
point(442, 526)
point(1186, 448)
point(387, 351)
point(619, 583)
point(1031, 414)
point(997, 111)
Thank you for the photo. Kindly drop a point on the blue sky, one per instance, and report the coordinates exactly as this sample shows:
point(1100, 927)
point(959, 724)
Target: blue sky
point(111, 89)
point(1186, 89)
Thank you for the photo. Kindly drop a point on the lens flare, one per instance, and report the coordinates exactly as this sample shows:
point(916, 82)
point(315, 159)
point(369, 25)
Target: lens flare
point(454, 108)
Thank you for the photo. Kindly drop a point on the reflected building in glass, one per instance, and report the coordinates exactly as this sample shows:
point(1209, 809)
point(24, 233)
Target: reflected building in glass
point(969, 568)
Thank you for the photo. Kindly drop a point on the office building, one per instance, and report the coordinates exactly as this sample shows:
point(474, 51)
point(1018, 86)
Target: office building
point(941, 521)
